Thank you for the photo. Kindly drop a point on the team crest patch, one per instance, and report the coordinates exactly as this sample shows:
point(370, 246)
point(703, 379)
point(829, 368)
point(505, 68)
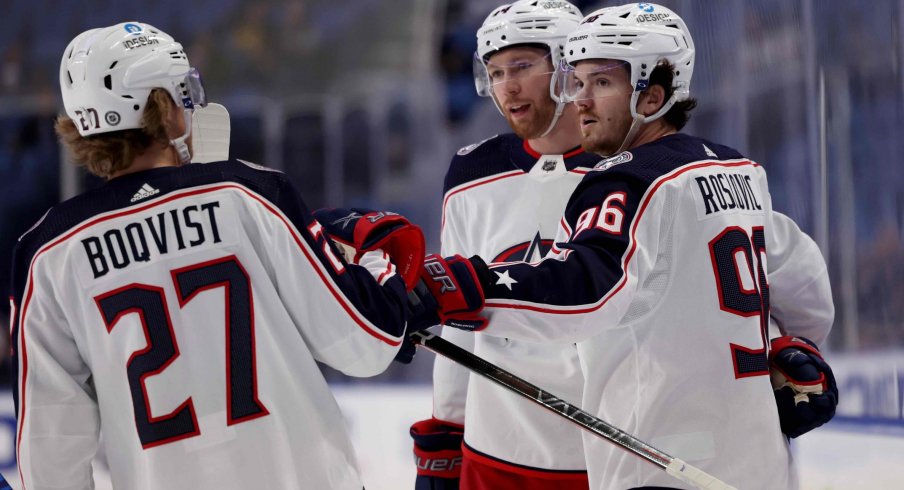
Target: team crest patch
point(612, 161)
point(468, 149)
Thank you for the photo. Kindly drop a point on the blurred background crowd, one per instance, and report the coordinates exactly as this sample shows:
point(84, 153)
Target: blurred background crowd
point(364, 102)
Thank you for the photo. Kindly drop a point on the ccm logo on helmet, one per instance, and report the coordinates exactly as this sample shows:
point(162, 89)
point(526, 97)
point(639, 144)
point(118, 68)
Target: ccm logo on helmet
point(438, 274)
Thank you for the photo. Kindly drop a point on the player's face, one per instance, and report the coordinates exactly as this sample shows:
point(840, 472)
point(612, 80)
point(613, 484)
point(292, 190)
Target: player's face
point(604, 104)
point(520, 78)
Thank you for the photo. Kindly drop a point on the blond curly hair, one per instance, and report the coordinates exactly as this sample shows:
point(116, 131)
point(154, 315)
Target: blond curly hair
point(105, 154)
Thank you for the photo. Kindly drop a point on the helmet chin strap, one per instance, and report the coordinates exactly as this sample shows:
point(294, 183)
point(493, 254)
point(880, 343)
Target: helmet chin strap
point(182, 149)
point(639, 120)
point(560, 108)
point(632, 133)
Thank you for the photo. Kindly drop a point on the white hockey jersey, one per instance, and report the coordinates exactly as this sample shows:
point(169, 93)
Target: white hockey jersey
point(180, 311)
point(659, 274)
point(503, 201)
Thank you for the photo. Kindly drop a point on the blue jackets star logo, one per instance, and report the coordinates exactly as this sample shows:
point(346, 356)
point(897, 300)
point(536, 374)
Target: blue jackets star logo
point(531, 251)
point(505, 279)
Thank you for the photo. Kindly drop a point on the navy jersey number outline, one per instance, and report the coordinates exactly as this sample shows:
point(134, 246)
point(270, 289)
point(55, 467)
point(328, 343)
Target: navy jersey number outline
point(149, 303)
point(734, 298)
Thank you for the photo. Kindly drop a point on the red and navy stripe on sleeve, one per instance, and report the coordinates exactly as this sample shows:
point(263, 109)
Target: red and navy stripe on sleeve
point(601, 216)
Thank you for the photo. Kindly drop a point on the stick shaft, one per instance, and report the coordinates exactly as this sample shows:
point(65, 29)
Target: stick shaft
point(673, 466)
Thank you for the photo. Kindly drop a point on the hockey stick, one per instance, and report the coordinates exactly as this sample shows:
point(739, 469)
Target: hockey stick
point(673, 466)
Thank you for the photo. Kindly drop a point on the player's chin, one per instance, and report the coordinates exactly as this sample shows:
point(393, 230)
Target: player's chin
point(526, 129)
point(523, 131)
point(592, 144)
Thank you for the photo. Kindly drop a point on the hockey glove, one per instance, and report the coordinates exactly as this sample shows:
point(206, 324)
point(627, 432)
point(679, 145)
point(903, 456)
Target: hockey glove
point(450, 293)
point(356, 231)
point(805, 389)
point(437, 454)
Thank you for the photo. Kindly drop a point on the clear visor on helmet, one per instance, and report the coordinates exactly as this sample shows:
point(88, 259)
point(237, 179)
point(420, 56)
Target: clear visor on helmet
point(193, 93)
point(491, 73)
point(592, 79)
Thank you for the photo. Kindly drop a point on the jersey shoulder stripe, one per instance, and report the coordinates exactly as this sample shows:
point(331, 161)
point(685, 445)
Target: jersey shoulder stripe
point(641, 185)
point(651, 161)
point(270, 189)
point(566, 299)
point(119, 193)
point(504, 155)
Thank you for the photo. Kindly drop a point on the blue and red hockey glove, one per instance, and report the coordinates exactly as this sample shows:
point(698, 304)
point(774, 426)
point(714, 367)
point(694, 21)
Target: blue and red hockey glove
point(805, 389)
point(450, 292)
point(357, 230)
point(437, 454)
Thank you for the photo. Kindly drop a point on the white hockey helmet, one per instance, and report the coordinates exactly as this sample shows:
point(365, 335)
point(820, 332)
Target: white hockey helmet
point(542, 22)
point(107, 74)
point(528, 22)
point(641, 34)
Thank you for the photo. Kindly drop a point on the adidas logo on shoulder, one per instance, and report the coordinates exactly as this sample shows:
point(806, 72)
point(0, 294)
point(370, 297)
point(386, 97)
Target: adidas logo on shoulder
point(144, 192)
point(709, 152)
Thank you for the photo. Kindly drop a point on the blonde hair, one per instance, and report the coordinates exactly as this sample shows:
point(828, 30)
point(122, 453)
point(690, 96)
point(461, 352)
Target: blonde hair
point(107, 153)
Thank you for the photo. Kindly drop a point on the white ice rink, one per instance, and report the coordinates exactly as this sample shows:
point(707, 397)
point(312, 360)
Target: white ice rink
point(835, 457)
point(848, 457)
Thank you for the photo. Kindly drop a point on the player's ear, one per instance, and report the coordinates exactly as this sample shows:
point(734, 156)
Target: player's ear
point(651, 100)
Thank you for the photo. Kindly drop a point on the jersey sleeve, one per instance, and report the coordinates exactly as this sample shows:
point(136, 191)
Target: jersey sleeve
point(57, 411)
point(351, 316)
point(450, 380)
point(588, 280)
point(800, 295)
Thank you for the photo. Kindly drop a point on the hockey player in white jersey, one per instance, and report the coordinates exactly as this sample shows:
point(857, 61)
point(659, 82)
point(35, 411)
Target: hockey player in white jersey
point(659, 273)
point(503, 198)
point(180, 309)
